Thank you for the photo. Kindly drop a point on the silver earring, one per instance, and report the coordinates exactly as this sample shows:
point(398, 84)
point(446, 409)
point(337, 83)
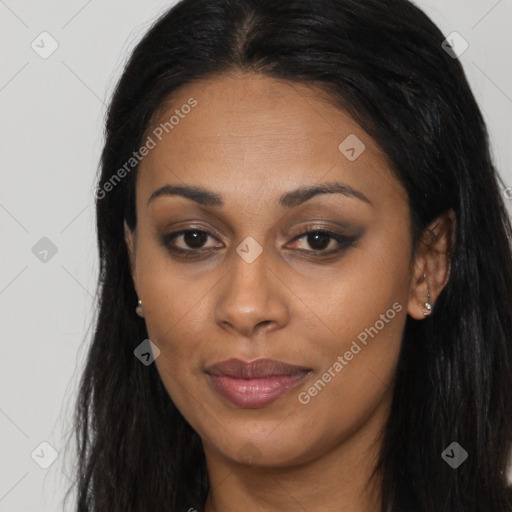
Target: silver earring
point(139, 309)
point(427, 305)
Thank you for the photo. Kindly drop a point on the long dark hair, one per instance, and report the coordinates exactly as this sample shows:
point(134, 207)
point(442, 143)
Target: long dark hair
point(384, 63)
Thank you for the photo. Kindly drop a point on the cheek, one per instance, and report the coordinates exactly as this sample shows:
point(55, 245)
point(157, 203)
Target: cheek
point(168, 300)
point(175, 320)
point(356, 372)
point(346, 300)
point(363, 313)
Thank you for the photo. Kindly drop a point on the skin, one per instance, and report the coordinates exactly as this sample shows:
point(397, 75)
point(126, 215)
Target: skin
point(250, 139)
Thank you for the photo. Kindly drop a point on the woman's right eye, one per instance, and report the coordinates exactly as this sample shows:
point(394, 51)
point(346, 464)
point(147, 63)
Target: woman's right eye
point(191, 240)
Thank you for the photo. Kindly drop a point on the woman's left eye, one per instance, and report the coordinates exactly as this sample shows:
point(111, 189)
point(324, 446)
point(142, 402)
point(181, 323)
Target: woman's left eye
point(319, 240)
point(194, 241)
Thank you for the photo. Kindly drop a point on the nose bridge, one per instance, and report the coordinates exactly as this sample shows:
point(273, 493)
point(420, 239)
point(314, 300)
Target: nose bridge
point(251, 295)
point(249, 279)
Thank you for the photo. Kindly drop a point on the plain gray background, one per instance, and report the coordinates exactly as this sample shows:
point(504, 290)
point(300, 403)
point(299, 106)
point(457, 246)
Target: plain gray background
point(52, 112)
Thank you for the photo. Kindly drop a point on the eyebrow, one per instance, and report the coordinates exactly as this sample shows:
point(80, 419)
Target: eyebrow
point(290, 199)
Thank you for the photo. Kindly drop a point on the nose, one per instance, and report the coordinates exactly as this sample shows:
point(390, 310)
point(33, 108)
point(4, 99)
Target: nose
point(253, 298)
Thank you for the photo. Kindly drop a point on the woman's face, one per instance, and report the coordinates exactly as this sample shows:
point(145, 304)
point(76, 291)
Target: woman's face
point(247, 282)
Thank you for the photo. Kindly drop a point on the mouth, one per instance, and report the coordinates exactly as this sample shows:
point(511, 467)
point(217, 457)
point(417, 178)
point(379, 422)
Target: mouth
point(255, 384)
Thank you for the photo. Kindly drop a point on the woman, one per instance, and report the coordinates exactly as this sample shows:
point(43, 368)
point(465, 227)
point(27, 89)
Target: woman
point(306, 274)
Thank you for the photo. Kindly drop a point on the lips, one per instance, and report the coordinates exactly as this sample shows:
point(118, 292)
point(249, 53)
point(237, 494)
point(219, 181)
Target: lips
point(255, 384)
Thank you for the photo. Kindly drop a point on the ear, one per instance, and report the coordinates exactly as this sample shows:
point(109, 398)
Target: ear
point(433, 259)
point(130, 239)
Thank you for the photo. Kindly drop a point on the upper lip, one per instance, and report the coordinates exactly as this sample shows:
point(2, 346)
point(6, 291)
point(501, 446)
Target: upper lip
point(260, 368)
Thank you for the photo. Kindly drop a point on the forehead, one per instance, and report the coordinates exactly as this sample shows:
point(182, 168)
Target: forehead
point(252, 135)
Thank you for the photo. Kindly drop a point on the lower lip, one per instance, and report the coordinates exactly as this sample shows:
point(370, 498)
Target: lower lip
point(254, 393)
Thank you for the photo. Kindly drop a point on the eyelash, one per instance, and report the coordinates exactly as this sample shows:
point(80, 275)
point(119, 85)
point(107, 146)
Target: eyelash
point(343, 241)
